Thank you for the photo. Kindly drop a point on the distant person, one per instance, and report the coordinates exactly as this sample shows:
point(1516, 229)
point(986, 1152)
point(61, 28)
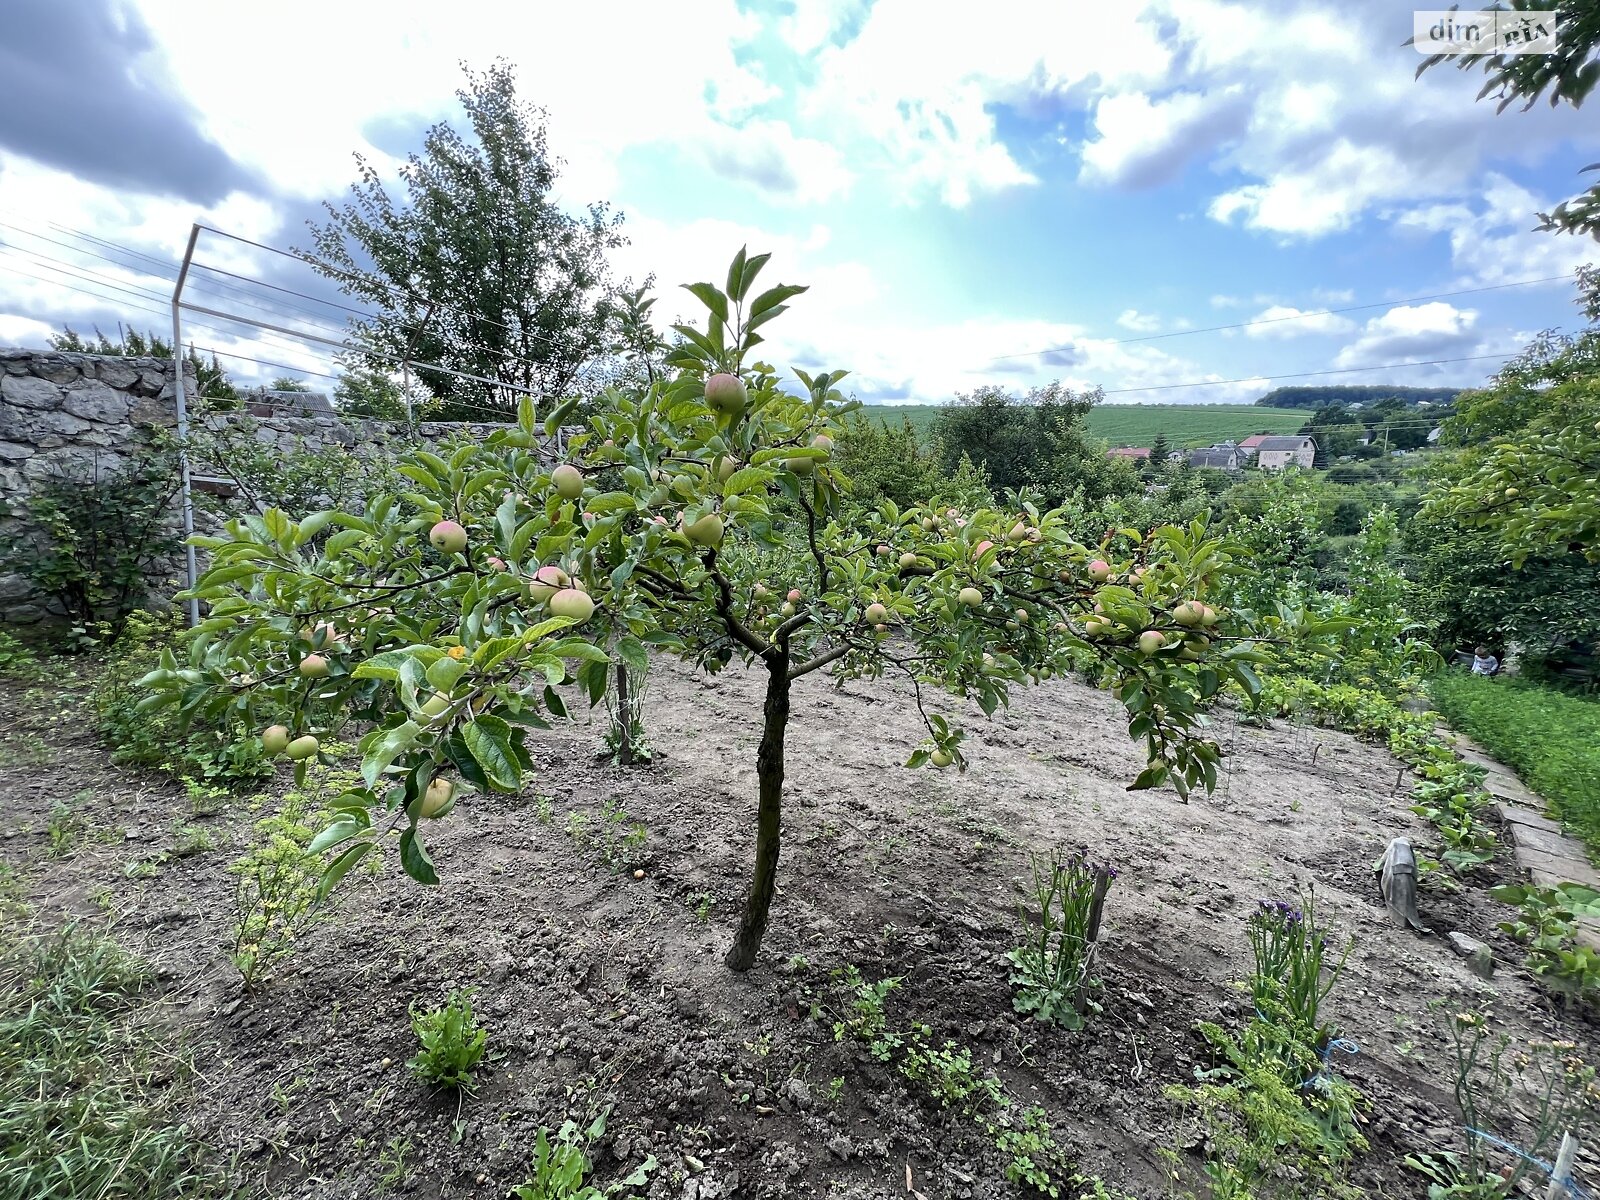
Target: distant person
point(1484, 663)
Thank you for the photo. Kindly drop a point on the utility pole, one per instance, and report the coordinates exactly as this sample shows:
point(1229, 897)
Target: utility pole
point(191, 566)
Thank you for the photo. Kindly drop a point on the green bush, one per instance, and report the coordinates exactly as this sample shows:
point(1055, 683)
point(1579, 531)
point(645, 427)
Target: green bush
point(1551, 739)
point(91, 540)
point(16, 657)
point(228, 756)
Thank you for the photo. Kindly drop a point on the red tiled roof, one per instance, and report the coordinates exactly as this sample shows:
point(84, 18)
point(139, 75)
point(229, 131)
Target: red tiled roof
point(1250, 443)
point(1128, 452)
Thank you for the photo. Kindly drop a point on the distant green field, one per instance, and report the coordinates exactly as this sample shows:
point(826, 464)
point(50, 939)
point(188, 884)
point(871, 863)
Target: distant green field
point(1138, 424)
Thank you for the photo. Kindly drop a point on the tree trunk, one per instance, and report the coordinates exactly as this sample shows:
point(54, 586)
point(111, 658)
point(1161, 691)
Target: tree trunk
point(769, 816)
point(624, 718)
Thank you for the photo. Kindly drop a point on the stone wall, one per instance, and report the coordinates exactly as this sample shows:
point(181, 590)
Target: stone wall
point(68, 416)
point(79, 416)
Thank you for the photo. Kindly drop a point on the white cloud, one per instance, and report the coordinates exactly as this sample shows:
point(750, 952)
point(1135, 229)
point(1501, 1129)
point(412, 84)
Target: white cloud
point(915, 98)
point(1142, 142)
point(1414, 331)
point(643, 76)
point(1285, 321)
point(768, 155)
point(1139, 322)
point(1494, 241)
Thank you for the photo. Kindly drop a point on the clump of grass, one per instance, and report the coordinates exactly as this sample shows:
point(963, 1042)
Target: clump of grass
point(82, 1108)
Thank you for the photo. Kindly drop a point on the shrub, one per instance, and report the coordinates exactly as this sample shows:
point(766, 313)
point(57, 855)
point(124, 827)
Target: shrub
point(1052, 969)
point(1260, 1128)
point(218, 753)
point(275, 898)
point(91, 540)
point(452, 1041)
point(302, 478)
point(1272, 1108)
point(1547, 922)
point(1551, 739)
point(16, 658)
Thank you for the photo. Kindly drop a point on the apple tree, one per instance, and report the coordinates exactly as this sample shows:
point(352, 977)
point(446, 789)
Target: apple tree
point(700, 515)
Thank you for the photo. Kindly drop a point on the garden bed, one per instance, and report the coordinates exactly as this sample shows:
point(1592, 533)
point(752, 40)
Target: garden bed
point(601, 989)
point(1550, 739)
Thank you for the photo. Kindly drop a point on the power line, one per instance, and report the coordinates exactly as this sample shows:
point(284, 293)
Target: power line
point(1299, 316)
point(86, 272)
point(263, 362)
point(291, 292)
point(235, 355)
point(167, 263)
point(170, 268)
point(153, 312)
point(115, 284)
point(69, 287)
point(389, 287)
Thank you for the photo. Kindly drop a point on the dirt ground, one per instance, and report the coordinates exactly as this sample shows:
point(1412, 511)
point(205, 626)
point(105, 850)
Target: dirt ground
point(601, 989)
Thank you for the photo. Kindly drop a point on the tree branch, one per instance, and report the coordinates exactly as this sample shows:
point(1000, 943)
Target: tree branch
point(820, 661)
point(811, 539)
point(736, 628)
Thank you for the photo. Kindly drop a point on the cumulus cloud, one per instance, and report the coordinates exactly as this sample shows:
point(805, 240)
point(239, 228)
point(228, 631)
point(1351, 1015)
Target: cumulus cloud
point(87, 92)
point(770, 157)
point(1492, 239)
point(1286, 321)
point(1142, 142)
point(1413, 331)
point(1139, 322)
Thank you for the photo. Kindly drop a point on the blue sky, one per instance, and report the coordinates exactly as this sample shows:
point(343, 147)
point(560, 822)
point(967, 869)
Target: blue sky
point(961, 185)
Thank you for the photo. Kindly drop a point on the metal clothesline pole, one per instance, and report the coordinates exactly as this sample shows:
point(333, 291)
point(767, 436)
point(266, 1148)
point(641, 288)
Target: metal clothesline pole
point(191, 565)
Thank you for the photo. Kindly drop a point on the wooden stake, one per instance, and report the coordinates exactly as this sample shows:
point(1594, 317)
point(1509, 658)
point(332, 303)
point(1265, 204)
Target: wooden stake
point(1561, 1173)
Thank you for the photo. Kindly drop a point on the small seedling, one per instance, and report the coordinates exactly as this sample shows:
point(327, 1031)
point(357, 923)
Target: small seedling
point(561, 1167)
point(452, 1042)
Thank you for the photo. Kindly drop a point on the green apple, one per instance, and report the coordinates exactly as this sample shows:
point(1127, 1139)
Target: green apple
point(275, 739)
point(302, 748)
point(568, 481)
point(726, 393)
point(448, 537)
point(707, 531)
point(438, 799)
point(570, 602)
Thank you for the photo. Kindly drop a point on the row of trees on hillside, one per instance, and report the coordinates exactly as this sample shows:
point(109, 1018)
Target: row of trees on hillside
point(1320, 396)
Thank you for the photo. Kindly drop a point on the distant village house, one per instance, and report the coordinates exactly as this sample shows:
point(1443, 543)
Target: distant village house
point(1224, 456)
point(1251, 446)
point(1276, 453)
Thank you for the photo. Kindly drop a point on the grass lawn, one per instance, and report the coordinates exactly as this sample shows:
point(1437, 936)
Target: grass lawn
point(1551, 739)
point(1138, 424)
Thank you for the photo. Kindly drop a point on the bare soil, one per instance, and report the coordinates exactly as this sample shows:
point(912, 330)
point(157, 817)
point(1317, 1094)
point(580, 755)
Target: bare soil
point(600, 989)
